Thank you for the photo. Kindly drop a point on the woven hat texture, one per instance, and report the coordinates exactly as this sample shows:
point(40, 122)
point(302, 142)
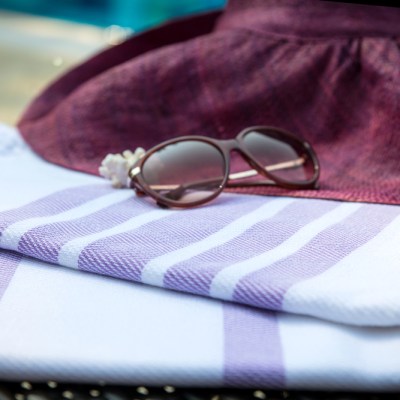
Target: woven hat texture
point(328, 72)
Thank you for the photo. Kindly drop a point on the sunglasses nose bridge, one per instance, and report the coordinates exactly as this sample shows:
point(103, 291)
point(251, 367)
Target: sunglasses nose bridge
point(230, 145)
point(234, 146)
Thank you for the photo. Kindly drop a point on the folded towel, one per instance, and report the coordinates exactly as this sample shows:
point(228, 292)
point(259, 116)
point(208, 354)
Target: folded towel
point(327, 259)
point(64, 325)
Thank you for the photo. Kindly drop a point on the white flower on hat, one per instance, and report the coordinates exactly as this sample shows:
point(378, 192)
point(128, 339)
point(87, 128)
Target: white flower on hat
point(115, 167)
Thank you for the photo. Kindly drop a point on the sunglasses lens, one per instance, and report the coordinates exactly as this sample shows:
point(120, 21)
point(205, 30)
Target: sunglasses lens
point(283, 156)
point(185, 172)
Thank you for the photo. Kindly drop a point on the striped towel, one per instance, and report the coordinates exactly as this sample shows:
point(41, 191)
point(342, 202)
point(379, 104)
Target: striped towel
point(331, 260)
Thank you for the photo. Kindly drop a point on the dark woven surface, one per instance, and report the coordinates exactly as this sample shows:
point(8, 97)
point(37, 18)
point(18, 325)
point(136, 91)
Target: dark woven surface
point(52, 390)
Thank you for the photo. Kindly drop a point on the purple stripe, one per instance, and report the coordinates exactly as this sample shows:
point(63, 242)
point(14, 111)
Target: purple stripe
point(46, 241)
point(253, 349)
point(53, 204)
point(9, 261)
point(267, 287)
point(125, 255)
point(196, 274)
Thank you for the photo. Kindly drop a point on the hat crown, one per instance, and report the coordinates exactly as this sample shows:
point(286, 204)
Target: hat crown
point(311, 18)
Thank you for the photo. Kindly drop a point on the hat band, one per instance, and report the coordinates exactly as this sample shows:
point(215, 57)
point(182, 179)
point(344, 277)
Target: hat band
point(311, 18)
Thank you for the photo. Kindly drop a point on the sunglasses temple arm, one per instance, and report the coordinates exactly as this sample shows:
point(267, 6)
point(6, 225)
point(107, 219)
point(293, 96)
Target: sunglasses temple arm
point(177, 192)
point(269, 168)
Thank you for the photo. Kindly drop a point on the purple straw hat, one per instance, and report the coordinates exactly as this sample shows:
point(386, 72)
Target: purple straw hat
point(328, 72)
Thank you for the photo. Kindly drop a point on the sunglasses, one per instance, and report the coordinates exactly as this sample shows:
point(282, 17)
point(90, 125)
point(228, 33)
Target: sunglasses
point(192, 170)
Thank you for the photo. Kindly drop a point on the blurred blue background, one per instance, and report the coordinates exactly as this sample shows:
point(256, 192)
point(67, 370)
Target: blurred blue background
point(135, 14)
point(42, 39)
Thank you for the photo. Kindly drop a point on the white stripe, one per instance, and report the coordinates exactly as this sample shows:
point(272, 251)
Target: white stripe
point(326, 356)
point(12, 235)
point(70, 252)
point(154, 271)
point(224, 283)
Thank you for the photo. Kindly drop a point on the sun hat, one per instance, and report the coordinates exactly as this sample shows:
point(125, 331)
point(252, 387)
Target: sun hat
point(328, 72)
